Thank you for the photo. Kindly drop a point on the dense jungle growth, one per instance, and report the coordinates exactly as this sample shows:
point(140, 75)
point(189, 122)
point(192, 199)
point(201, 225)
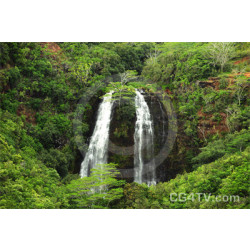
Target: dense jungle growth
point(42, 83)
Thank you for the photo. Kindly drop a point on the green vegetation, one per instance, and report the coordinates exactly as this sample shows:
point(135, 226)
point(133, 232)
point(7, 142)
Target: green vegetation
point(98, 190)
point(226, 176)
point(41, 84)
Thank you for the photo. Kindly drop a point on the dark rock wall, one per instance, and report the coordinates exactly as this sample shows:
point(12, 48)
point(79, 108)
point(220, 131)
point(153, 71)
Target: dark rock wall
point(122, 129)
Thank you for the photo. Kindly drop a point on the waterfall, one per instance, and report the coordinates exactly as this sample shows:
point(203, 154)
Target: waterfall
point(144, 165)
point(98, 147)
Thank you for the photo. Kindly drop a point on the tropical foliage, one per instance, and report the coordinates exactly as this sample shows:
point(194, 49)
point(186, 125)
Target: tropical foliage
point(42, 83)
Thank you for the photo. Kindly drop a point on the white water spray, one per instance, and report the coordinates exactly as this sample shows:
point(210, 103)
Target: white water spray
point(98, 147)
point(144, 143)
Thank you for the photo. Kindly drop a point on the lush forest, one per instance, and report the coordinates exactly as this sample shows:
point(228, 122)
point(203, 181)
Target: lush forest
point(41, 85)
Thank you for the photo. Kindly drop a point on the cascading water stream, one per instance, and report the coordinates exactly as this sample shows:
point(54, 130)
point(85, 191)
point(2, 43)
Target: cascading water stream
point(98, 147)
point(144, 165)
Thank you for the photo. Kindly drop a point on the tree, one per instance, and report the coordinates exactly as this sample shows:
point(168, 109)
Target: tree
point(233, 117)
point(121, 90)
point(152, 57)
point(54, 158)
point(239, 87)
point(202, 129)
point(238, 141)
point(98, 190)
point(220, 53)
point(81, 71)
point(26, 183)
point(211, 152)
point(209, 97)
point(128, 76)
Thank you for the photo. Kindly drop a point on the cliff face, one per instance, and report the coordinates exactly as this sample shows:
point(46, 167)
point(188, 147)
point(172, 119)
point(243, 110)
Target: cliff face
point(122, 134)
point(122, 129)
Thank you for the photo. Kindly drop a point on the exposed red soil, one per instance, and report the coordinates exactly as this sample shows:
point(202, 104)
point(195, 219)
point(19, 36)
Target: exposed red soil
point(28, 113)
point(208, 127)
point(51, 46)
point(212, 82)
point(55, 52)
point(244, 59)
point(247, 74)
point(168, 91)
